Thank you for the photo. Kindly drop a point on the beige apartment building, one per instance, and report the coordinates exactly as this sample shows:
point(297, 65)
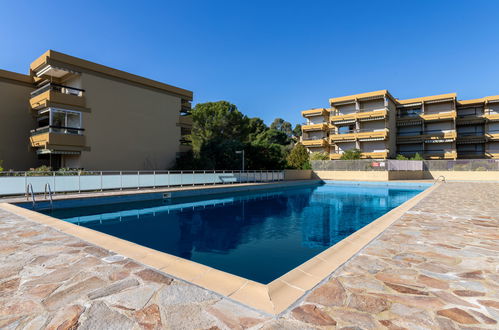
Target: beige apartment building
point(73, 113)
point(381, 126)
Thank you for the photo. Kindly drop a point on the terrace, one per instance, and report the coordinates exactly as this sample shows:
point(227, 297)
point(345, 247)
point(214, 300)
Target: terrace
point(434, 267)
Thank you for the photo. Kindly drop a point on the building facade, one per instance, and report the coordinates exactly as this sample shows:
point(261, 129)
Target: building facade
point(381, 126)
point(72, 113)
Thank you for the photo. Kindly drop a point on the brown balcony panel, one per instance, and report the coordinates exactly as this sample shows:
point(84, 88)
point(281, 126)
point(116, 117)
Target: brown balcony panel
point(440, 116)
point(314, 112)
point(340, 118)
point(185, 121)
point(51, 96)
point(334, 156)
point(342, 137)
point(440, 155)
point(314, 127)
point(492, 154)
point(315, 143)
point(44, 139)
point(492, 116)
point(373, 135)
point(383, 155)
point(370, 115)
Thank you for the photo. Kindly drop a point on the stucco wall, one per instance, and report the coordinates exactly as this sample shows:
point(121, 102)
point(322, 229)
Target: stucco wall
point(15, 123)
point(352, 175)
point(297, 174)
point(463, 175)
point(129, 127)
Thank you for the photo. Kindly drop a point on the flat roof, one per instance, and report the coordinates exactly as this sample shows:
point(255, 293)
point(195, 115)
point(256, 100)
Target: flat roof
point(19, 77)
point(428, 98)
point(54, 57)
point(480, 100)
point(354, 97)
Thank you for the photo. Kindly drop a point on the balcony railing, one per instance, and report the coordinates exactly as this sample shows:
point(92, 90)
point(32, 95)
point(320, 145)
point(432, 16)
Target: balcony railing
point(360, 114)
point(360, 134)
point(184, 141)
point(314, 141)
point(467, 134)
point(57, 129)
point(58, 88)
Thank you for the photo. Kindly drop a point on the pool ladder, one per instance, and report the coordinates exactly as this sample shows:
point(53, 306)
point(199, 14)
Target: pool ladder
point(443, 179)
point(47, 188)
point(30, 191)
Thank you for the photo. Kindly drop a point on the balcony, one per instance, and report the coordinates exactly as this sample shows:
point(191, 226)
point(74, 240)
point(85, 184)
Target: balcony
point(375, 155)
point(314, 127)
point(491, 116)
point(361, 135)
point(470, 118)
point(185, 121)
point(417, 114)
point(440, 154)
point(361, 115)
point(439, 136)
point(57, 136)
point(314, 112)
point(470, 154)
point(335, 156)
point(314, 142)
point(54, 94)
point(185, 144)
point(449, 115)
point(470, 137)
point(492, 135)
point(492, 154)
point(364, 155)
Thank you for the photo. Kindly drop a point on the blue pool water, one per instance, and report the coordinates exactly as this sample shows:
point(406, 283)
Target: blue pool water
point(258, 235)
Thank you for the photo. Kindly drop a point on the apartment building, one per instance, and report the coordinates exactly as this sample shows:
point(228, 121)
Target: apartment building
point(69, 112)
point(381, 126)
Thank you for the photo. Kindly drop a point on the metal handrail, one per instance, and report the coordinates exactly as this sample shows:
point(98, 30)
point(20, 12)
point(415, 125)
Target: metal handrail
point(29, 185)
point(76, 180)
point(443, 179)
point(47, 187)
point(56, 87)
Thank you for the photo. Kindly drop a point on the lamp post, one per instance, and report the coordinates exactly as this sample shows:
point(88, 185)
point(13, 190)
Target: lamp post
point(241, 152)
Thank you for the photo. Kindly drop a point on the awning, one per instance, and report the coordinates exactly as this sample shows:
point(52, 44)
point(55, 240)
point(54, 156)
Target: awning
point(409, 122)
point(56, 152)
point(371, 139)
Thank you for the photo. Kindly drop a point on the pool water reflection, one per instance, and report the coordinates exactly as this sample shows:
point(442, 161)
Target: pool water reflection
point(258, 235)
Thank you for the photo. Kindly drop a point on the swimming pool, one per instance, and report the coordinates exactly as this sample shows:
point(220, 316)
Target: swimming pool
point(256, 235)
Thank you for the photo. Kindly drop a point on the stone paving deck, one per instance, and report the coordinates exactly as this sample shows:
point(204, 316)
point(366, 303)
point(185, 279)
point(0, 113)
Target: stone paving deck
point(437, 267)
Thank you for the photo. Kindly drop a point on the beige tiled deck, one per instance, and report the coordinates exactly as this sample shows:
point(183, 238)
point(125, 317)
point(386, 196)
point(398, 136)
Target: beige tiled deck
point(435, 267)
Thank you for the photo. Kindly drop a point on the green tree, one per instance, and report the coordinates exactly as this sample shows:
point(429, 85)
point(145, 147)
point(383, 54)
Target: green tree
point(265, 157)
point(319, 156)
point(282, 125)
point(297, 131)
point(216, 121)
point(256, 127)
point(351, 154)
point(298, 158)
point(272, 136)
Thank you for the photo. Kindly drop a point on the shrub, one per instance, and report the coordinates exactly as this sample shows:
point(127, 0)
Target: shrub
point(351, 154)
point(401, 157)
point(319, 156)
point(298, 158)
point(1, 168)
point(417, 156)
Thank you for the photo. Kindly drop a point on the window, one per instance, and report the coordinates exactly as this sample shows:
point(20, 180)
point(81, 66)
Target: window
point(63, 121)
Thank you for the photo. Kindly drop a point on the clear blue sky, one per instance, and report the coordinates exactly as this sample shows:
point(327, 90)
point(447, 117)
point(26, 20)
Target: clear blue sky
point(270, 58)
